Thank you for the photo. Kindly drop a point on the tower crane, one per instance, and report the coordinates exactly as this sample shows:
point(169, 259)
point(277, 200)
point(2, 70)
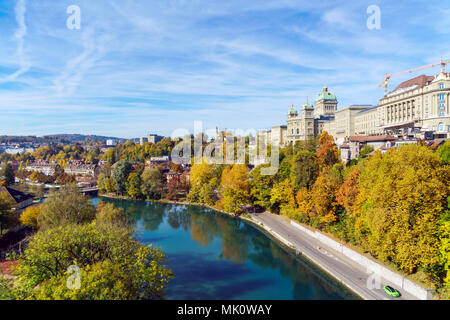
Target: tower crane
point(389, 76)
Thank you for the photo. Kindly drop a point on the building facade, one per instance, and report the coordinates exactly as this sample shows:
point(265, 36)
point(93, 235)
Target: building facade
point(419, 107)
point(420, 104)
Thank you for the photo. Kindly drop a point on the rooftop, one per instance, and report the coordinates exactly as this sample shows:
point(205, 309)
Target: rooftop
point(372, 138)
point(325, 95)
point(417, 82)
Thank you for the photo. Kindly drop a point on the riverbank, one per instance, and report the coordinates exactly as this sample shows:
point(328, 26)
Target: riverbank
point(348, 272)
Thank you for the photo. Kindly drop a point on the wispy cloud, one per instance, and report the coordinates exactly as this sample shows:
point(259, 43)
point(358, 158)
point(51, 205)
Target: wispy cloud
point(93, 49)
point(19, 35)
point(138, 66)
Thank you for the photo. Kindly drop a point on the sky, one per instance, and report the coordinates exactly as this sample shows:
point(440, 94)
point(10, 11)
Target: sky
point(155, 66)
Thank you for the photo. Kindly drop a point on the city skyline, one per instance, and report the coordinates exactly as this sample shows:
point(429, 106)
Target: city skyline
point(135, 68)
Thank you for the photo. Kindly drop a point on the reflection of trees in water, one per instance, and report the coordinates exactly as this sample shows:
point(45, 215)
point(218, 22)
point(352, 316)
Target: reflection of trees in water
point(203, 226)
point(270, 255)
point(178, 216)
point(151, 214)
point(234, 240)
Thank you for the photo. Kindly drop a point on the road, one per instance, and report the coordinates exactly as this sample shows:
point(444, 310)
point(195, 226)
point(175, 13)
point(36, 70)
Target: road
point(345, 270)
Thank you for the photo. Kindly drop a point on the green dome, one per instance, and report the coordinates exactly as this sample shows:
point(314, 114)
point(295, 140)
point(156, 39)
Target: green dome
point(325, 95)
point(308, 105)
point(292, 111)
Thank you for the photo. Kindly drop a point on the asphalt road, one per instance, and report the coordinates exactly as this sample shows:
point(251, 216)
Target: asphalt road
point(347, 271)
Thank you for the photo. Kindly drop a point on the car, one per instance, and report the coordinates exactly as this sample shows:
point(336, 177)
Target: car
point(391, 291)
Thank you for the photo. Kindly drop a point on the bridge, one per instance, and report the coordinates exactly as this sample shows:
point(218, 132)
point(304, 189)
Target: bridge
point(91, 191)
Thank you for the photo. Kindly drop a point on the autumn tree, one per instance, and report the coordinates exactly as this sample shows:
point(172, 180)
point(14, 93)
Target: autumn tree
point(234, 188)
point(323, 199)
point(65, 206)
point(444, 250)
point(348, 191)
point(403, 197)
point(282, 198)
point(111, 217)
point(29, 217)
point(134, 185)
point(205, 179)
point(118, 265)
point(327, 153)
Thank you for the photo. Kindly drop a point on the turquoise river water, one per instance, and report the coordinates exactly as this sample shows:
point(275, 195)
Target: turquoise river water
point(217, 257)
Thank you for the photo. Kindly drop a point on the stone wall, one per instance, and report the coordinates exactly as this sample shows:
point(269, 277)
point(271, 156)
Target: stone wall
point(370, 265)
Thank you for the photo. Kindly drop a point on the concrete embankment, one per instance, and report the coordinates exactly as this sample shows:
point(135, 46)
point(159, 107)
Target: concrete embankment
point(397, 279)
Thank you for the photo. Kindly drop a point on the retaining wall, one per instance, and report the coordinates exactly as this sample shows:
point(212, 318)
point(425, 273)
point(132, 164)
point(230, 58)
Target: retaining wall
point(370, 265)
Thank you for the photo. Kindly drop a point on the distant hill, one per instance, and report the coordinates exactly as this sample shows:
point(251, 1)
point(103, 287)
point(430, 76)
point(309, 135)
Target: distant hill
point(57, 138)
point(82, 137)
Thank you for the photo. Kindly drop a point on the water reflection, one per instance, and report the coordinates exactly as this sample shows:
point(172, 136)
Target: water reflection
point(218, 257)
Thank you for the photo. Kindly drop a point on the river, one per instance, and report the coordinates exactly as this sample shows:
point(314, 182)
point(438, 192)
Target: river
point(217, 257)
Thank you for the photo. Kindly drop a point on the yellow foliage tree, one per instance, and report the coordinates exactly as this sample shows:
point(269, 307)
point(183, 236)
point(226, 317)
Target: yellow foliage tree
point(234, 188)
point(323, 199)
point(402, 198)
point(29, 217)
point(348, 191)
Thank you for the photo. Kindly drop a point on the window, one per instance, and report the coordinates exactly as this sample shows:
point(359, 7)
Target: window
point(442, 97)
point(441, 86)
point(298, 131)
point(441, 127)
point(441, 113)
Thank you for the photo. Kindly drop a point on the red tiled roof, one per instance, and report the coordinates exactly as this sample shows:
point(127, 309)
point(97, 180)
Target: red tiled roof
point(372, 138)
point(419, 81)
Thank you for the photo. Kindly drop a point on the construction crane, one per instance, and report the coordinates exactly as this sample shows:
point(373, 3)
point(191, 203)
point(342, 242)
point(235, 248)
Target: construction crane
point(389, 76)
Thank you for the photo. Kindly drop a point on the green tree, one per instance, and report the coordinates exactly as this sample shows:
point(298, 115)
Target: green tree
point(366, 150)
point(66, 206)
point(261, 187)
point(6, 215)
point(304, 170)
point(8, 174)
point(111, 217)
point(120, 176)
point(444, 152)
point(120, 267)
point(152, 183)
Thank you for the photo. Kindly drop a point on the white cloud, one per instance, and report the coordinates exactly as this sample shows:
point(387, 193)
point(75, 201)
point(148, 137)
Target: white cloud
point(19, 35)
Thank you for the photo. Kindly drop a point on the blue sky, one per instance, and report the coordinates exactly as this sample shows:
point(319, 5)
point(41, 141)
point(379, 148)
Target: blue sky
point(145, 66)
